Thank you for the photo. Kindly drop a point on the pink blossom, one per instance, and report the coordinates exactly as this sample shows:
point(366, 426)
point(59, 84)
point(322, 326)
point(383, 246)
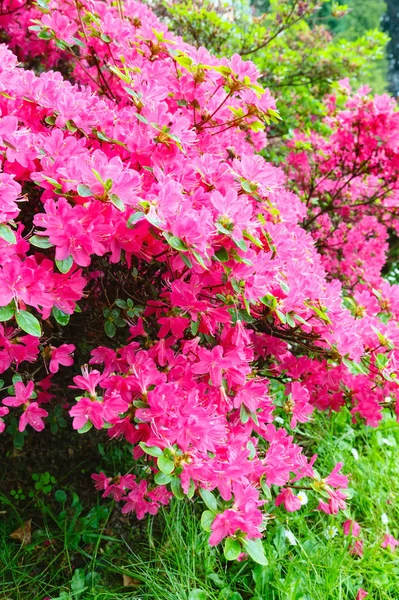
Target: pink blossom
point(351, 528)
point(22, 394)
point(356, 548)
point(335, 479)
point(389, 542)
point(61, 356)
point(3, 412)
point(224, 525)
point(291, 502)
point(33, 415)
point(87, 410)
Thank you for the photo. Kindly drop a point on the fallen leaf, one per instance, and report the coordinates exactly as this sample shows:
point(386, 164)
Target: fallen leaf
point(129, 581)
point(24, 533)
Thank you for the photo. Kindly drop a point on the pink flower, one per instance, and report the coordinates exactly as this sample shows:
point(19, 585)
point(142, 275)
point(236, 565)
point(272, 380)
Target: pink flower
point(3, 412)
point(225, 525)
point(351, 528)
point(22, 394)
point(61, 356)
point(357, 548)
point(336, 479)
point(140, 501)
point(389, 542)
point(33, 415)
point(101, 481)
point(88, 381)
point(335, 504)
point(361, 594)
point(212, 362)
point(291, 502)
point(299, 404)
point(87, 410)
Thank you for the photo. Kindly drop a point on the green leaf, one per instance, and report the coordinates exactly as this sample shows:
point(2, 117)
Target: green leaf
point(194, 326)
point(240, 244)
point(101, 136)
point(244, 414)
point(134, 218)
point(253, 239)
point(7, 312)
point(60, 496)
point(281, 316)
point(256, 551)
point(61, 317)
point(197, 594)
point(141, 118)
point(382, 361)
point(51, 180)
point(7, 234)
point(162, 478)
point(109, 329)
point(199, 259)
point(176, 243)
point(120, 303)
point(270, 301)
point(119, 322)
point(86, 427)
point(232, 549)
point(78, 582)
point(98, 177)
point(45, 34)
point(222, 255)
point(84, 191)
point(176, 488)
point(117, 202)
point(40, 241)
point(191, 488)
point(28, 323)
point(151, 450)
point(186, 260)
point(247, 187)
point(209, 499)
point(64, 265)
point(320, 312)
point(50, 120)
point(165, 465)
point(78, 42)
point(207, 518)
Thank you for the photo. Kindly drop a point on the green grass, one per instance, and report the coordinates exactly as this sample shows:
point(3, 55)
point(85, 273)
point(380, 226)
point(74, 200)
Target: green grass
point(83, 553)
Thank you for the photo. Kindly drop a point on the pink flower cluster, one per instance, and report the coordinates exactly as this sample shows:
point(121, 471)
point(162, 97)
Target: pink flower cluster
point(146, 165)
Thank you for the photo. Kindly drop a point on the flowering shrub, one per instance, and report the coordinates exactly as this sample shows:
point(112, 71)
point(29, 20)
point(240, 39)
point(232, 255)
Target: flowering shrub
point(135, 209)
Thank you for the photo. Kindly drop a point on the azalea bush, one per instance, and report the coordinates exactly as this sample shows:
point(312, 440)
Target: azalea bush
point(210, 301)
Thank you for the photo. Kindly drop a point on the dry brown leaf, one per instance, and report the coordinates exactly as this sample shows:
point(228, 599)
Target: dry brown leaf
point(129, 581)
point(24, 533)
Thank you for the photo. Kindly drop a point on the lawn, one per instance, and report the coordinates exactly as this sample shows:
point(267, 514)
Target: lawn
point(69, 550)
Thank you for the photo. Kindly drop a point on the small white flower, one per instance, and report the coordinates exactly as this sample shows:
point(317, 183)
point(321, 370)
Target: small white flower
point(330, 532)
point(355, 453)
point(290, 537)
point(388, 442)
point(302, 497)
point(384, 519)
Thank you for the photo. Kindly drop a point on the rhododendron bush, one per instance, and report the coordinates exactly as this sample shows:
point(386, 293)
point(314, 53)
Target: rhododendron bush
point(143, 235)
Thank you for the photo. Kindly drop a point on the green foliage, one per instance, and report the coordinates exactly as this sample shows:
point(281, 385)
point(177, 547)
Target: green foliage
point(361, 17)
point(292, 44)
